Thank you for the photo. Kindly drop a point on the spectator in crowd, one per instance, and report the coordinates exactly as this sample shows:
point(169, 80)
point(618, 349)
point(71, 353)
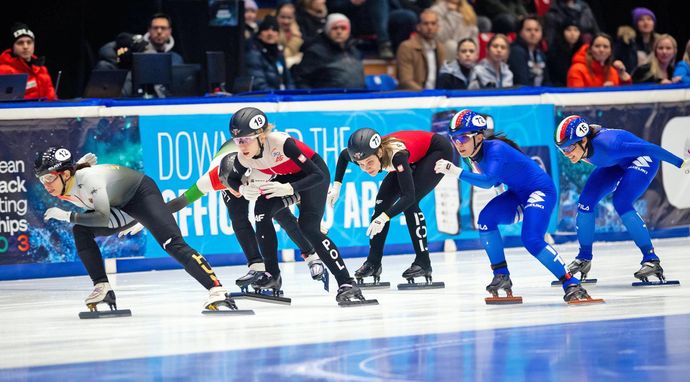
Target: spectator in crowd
point(562, 10)
point(311, 18)
point(265, 61)
point(289, 37)
point(504, 14)
point(404, 21)
point(456, 74)
point(527, 60)
point(118, 55)
point(331, 59)
point(21, 59)
point(659, 69)
point(644, 21)
point(419, 58)
point(560, 55)
point(625, 47)
point(493, 71)
point(682, 70)
point(593, 65)
point(367, 17)
point(457, 21)
point(250, 25)
point(160, 36)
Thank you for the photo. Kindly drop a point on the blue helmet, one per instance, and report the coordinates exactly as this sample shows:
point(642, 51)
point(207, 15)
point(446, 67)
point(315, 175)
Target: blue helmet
point(571, 130)
point(466, 121)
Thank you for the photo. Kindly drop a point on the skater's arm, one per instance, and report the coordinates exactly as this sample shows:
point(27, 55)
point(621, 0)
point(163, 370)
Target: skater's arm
point(403, 170)
point(100, 215)
point(654, 151)
point(234, 178)
point(486, 179)
point(343, 161)
point(313, 174)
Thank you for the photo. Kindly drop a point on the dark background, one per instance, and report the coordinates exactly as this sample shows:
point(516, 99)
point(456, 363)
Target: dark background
point(69, 33)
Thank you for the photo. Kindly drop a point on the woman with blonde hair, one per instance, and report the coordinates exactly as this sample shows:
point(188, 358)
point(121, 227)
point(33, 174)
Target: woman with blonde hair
point(682, 70)
point(660, 67)
point(593, 65)
point(289, 36)
point(457, 21)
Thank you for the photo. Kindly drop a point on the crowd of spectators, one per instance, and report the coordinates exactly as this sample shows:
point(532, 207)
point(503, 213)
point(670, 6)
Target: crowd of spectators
point(441, 44)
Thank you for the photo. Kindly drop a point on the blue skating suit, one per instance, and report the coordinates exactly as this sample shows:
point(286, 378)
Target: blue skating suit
point(531, 197)
point(626, 166)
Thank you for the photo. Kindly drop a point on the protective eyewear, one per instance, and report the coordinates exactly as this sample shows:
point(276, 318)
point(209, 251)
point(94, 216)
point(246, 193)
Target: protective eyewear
point(462, 139)
point(245, 140)
point(568, 149)
point(48, 178)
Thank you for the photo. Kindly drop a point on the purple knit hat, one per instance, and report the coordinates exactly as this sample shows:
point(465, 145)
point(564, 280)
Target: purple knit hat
point(641, 11)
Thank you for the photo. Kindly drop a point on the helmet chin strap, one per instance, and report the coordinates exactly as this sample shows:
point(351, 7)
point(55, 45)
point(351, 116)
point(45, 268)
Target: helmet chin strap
point(476, 147)
point(64, 185)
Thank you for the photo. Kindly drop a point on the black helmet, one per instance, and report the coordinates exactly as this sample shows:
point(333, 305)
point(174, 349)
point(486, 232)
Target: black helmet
point(363, 143)
point(53, 159)
point(247, 121)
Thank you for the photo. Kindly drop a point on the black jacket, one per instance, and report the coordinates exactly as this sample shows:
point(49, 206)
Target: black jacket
point(526, 67)
point(266, 67)
point(326, 65)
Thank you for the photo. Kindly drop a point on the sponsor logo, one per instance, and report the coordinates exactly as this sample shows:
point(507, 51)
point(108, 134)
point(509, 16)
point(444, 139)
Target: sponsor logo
point(277, 155)
point(482, 227)
point(582, 207)
point(642, 161)
point(534, 199)
point(259, 217)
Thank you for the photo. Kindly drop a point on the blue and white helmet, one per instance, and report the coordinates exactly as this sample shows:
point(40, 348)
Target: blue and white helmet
point(571, 130)
point(467, 121)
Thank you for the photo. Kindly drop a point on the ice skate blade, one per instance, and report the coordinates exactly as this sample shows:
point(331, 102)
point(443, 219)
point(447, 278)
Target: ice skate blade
point(353, 303)
point(105, 314)
point(229, 312)
point(656, 283)
point(260, 297)
point(413, 286)
point(586, 301)
point(379, 285)
point(585, 281)
point(503, 300)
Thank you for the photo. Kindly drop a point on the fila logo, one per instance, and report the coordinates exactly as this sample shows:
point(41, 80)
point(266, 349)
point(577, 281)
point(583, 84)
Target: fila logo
point(536, 197)
point(582, 207)
point(482, 227)
point(642, 161)
point(259, 217)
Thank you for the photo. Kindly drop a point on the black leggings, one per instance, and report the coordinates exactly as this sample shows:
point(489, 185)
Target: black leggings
point(238, 209)
point(425, 180)
point(311, 209)
point(147, 207)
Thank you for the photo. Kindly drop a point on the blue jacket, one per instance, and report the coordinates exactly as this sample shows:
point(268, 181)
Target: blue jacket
point(682, 70)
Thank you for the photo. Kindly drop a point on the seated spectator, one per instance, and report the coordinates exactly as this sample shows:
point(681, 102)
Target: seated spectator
point(527, 60)
point(659, 69)
point(562, 10)
point(682, 70)
point(250, 26)
point(493, 71)
point(160, 37)
point(264, 60)
point(504, 14)
point(289, 37)
point(560, 55)
point(331, 59)
point(456, 74)
point(593, 65)
point(21, 59)
point(419, 58)
point(644, 21)
point(311, 18)
point(457, 21)
point(625, 47)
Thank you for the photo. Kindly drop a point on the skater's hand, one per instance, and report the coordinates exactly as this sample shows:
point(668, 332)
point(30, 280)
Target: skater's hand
point(133, 230)
point(333, 194)
point(377, 225)
point(276, 189)
point(57, 214)
point(250, 193)
point(447, 168)
point(89, 158)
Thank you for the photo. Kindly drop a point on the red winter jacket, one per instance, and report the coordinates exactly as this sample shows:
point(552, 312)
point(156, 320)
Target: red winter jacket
point(38, 84)
point(579, 75)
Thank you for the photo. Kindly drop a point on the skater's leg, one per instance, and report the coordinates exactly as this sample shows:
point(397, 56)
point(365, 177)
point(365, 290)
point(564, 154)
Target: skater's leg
point(264, 210)
point(601, 182)
point(633, 184)
point(147, 206)
point(416, 225)
point(503, 209)
point(238, 209)
point(389, 192)
point(288, 221)
point(88, 251)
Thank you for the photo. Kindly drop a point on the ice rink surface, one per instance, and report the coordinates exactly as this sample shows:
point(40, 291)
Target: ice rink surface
point(442, 334)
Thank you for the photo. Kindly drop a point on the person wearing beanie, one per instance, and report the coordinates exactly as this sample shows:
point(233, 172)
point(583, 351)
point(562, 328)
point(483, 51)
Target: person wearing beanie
point(20, 59)
point(331, 59)
point(265, 61)
point(644, 22)
point(577, 10)
point(560, 55)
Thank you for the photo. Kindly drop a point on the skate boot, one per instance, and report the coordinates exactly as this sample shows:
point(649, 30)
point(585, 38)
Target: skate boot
point(316, 268)
point(267, 289)
point(103, 294)
point(501, 281)
point(219, 301)
point(417, 271)
point(369, 269)
point(255, 271)
point(652, 268)
point(583, 267)
point(576, 294)
point(347, 292)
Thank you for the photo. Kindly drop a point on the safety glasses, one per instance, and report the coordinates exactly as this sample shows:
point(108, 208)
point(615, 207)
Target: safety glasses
point(245, 140)
point(568, 149)
point(462, 139)
point(48, 178)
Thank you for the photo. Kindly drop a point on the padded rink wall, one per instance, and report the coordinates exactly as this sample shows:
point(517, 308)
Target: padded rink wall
point(174, 140)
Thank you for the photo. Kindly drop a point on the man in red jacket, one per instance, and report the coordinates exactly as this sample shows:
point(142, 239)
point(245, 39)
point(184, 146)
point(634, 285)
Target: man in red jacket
point(21, 59)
